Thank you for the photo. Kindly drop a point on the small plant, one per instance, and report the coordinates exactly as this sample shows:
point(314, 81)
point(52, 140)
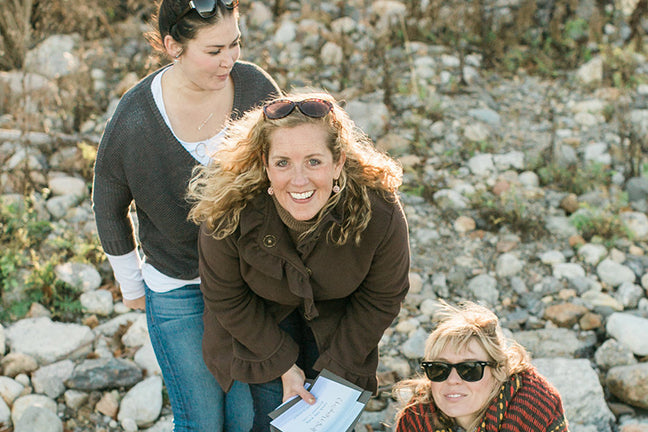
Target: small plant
point(27, 268)
point(509, 209)
point(603, 224)
point(574, 179)
point(619, 67)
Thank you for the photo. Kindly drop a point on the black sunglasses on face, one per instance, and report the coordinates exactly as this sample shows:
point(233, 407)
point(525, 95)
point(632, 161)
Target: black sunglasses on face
point(470, 371)
point(206, 8)
point(313, 107)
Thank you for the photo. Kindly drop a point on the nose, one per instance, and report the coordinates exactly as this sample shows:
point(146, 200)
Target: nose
point(299, 177)
point(227, 62)
point(454, 376)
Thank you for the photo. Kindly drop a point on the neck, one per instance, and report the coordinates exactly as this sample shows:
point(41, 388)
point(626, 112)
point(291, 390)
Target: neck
point(177, 83)
point(293, 224)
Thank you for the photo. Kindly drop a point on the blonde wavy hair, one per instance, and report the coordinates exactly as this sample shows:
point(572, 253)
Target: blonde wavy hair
point(220, 191)
point(457, 327)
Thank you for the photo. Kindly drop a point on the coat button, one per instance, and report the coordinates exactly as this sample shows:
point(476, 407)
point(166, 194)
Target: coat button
point(270, 241)
point(309, 271)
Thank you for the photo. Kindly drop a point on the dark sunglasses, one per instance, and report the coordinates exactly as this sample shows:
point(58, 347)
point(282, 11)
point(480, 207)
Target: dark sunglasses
point(314, 107)
point(206, 8)
point(470, 371)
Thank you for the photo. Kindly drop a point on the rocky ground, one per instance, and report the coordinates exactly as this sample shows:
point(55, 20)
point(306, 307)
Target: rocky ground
point(520, 193)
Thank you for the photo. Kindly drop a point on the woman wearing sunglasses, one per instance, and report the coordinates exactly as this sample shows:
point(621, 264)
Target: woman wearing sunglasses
point(304, 253)
point(164, 126)
point(477, 381)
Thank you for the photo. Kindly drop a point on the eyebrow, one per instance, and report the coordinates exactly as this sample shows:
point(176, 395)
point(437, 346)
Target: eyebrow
point(305, 157)
point(223, 46)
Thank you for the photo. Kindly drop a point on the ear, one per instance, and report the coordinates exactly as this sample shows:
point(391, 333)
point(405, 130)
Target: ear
point(172, 46)
point(339, 165)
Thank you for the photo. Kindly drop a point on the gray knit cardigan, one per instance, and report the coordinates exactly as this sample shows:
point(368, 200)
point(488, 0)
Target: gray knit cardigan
point(139, 159)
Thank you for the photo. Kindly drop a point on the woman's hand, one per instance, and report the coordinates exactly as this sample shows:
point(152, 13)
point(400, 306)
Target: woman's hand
point(293, 385)
point(138, 303)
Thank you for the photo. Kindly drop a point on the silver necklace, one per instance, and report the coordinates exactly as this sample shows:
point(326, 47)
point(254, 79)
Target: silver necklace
point(206, 120)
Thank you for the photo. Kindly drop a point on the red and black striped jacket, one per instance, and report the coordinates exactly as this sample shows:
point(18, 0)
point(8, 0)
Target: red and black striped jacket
point(526, 403)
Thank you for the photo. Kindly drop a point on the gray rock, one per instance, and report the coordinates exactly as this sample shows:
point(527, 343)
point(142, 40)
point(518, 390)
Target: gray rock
point(137, 334)
point(637, 223)
point(612, 353)
point(580, 390)
point(104, 373)
point(75, 399)
point(5, 413)
point(614, 273)
point(568, 271)
point(629, 384)
point(508, 265)
point(637, 188)
point(629, 294)
point(58, 206)
point(372, 117)
point(529, 179)
point(49, 379)
point(560, 226)
point(49, 341)
point(597, 153)
point(592, 253)
point(54, 57)
point(510, 160)
point(68, 185)
point(84, 277)
point(164, 424)
point(448, 198)
point(38, 419)
point(486, 115)
point(592, 71)
point(484, 288)
point(23, 403)
point(143, 402)
point(414, 347)
point(556, 342)
point(98, 302)
point(481, 165)
point(629, 330)
point(552, 257)
point(10, 389)
point(110, 327)
point(146, 359)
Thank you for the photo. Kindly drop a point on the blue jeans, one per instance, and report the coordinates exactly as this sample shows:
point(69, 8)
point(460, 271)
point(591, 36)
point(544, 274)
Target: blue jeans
point(199, 404)
point(268, 396)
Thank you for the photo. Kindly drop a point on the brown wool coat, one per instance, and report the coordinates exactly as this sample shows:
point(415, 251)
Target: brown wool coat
point(256, 277)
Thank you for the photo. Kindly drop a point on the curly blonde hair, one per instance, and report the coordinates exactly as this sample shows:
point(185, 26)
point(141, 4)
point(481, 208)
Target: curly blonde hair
point(220, 191)
point(457, 327)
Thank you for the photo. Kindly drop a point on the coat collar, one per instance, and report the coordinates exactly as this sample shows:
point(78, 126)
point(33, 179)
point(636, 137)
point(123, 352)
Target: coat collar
point(265, 244)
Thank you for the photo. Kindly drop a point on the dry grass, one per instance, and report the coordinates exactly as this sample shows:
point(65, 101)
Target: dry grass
point(15, 32)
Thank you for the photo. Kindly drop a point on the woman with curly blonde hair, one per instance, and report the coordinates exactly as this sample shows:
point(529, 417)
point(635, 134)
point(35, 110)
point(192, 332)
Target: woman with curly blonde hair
point(304, 252)
point(477, 380)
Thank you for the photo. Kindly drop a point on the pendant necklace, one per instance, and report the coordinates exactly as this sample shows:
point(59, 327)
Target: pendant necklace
point(206, 120)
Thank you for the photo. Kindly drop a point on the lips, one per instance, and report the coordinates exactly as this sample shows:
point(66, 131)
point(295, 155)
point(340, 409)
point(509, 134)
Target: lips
point(302, 195)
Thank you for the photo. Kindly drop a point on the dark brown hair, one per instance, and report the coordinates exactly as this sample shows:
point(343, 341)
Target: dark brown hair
point(166, 22)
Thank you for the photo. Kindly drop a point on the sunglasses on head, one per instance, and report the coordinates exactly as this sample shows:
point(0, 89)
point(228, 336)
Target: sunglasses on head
point(313, 107)
point(206, 8)
point(470, 371)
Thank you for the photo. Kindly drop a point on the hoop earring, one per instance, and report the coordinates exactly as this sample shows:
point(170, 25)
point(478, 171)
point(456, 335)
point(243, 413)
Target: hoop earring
point(336, 186)
point(270, 191)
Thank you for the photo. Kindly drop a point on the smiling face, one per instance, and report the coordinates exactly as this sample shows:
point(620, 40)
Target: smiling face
point(301, 169)
point(459, 399)
point(207, 60)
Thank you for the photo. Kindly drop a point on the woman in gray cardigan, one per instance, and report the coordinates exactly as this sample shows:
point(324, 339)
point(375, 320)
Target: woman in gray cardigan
point(304, 253)
point(163, 127)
